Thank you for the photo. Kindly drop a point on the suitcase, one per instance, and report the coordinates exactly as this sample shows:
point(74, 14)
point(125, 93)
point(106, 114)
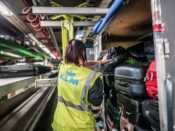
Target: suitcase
point(130, 108)
point(114, 62)
point(43, 69)
point(18, 71)
point(109, 79)
point(151, 113)
point(113, 97)
point(113, 114)
point(125, 125)
point(149, 50)
point(110, 124)
point(115, 51)
point(149, 47)
point(137, 55)
point(129, 80)
point(142, 127)
point(113, 111)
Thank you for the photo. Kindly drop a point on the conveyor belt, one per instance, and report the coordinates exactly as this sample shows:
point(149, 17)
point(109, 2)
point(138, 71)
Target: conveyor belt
point(25, 116)
point(9, 85)
point(10, 104)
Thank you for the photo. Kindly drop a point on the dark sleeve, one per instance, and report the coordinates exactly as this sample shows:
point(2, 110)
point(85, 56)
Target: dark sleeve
point(95, 94)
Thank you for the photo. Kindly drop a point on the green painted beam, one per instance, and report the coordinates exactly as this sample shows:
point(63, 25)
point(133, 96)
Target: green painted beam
point(3, 48)
point(20, 49)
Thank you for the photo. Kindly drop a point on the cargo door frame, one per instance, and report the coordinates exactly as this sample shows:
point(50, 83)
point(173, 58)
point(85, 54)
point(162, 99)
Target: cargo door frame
point(163, 31)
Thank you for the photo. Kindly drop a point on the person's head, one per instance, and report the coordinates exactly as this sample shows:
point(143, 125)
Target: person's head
point(75, 52)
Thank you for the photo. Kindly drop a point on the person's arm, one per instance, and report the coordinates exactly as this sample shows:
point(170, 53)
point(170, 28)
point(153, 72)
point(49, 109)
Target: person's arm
point(90, 63)
point(95, 94)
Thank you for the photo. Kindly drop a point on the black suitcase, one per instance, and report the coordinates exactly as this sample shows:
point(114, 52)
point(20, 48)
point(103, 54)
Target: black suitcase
point(114, 62)
point(149, 47)
point(113, 97)
point(43, 69)
point(142, 127)
point(149, 50)
point(110, 125)
point(109, 79)
point(112, 111)
point(131, 108)
point(129, 79)
point(18, 71)
point(151, 113)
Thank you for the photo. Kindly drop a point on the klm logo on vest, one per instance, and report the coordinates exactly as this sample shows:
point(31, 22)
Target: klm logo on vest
point(69, 78)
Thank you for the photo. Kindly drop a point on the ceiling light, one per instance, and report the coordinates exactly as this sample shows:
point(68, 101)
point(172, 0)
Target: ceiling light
point(5, 10)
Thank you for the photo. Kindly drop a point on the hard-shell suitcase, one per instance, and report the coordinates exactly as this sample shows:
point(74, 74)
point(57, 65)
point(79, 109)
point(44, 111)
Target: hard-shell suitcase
point(131, 108)
point(129, 79)
point(18, 71)
point(151, 113)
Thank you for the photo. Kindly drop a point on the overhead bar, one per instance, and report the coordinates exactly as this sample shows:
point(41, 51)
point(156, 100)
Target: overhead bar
point(58, 23)
point(69, 10)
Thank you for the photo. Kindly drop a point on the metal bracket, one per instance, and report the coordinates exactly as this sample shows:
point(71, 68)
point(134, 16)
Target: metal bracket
point(166, 48)
point(46, 82)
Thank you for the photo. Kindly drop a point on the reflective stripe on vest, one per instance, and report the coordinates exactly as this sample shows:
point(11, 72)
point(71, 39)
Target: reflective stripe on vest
point(83, 106)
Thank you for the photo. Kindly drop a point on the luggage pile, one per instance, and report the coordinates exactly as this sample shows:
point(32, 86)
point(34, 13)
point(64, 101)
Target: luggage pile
point(131, 101)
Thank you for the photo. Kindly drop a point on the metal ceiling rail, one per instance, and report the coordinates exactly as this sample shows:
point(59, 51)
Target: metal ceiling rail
point(58, 23)
point(69, 10)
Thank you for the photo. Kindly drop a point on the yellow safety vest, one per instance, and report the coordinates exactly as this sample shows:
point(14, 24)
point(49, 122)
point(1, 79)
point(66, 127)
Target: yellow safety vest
point(73, 109)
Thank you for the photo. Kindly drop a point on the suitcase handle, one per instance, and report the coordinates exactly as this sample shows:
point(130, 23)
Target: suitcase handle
point(122, 84)
point(169, 93)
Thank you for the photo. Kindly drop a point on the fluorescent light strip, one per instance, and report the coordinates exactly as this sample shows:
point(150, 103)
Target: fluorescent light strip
point(10, 54)
point(41, 46)
point(4, 9)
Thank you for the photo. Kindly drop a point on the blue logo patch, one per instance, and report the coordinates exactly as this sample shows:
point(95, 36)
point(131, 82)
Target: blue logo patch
point(69, 77)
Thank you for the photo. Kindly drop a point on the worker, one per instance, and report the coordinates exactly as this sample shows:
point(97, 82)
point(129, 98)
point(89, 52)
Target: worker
point(79, 87)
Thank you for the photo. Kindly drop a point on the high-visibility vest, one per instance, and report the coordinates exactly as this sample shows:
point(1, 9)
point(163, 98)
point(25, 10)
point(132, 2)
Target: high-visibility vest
point(73, 109)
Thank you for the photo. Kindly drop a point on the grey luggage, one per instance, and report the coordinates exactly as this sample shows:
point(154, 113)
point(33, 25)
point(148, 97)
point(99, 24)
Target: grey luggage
point(129, 80)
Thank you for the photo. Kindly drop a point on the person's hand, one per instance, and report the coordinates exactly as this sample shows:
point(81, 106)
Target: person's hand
point(105, 59)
